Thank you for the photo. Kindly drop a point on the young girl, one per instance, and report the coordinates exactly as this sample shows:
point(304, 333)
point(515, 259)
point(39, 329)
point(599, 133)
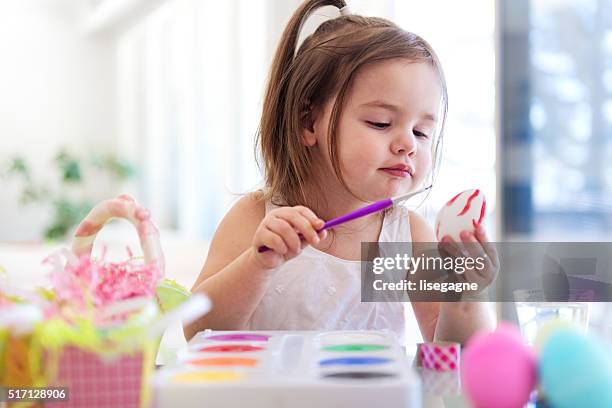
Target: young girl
point(353, 116)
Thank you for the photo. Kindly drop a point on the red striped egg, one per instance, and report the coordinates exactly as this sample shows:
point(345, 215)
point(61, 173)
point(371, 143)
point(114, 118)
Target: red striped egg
point(463, 212)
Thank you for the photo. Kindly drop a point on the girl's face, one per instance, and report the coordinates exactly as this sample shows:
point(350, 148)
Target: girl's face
point(386, 130)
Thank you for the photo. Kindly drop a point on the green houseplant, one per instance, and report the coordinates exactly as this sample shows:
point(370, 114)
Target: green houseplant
point(67, 209)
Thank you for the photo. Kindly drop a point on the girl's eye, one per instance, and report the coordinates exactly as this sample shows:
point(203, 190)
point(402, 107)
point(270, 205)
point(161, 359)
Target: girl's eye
point(420, 134)
point(378, 125)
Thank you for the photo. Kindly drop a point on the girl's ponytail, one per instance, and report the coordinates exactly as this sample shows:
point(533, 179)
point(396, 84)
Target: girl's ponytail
point(281, 173)
point(288, 42)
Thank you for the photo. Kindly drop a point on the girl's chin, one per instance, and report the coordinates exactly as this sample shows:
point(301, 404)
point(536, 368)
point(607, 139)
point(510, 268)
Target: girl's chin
point(377, 191)
point(388, 192)
point(396, 188)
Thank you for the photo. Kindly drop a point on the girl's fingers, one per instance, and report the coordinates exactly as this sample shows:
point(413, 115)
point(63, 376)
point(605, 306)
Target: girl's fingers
point(315, 221)
point(473, 247)
point(481, 235)
point(444, 247)
point(273, 241)
point(450, 247)
point(301, 224)
point(286, 231)
point(477, 250)
point(482, 276)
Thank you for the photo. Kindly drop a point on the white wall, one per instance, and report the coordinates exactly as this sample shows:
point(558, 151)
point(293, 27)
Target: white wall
point(57, 89)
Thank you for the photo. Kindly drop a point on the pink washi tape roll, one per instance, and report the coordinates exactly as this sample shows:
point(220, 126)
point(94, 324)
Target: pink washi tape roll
point(440, 356)
point(121, 207)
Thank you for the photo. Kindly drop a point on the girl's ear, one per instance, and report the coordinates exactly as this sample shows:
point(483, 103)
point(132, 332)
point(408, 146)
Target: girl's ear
point(307, 120)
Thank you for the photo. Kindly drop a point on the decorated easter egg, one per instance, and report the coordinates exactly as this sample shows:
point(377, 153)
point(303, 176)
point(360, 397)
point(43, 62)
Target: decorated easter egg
point(498, 369)
point(463, 212)
point(575, 371)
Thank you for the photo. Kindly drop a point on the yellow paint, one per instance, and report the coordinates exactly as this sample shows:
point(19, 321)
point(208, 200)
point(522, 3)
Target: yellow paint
point(207, 376)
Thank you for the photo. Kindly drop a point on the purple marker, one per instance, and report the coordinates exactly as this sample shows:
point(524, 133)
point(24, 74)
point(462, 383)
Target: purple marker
point(239, 337)
point(369, 209)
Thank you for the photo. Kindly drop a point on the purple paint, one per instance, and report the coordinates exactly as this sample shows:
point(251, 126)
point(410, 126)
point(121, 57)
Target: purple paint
point(239, 337)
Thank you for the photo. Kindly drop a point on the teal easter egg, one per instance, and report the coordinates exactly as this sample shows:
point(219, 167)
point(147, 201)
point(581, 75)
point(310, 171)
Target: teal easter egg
point(576, 371)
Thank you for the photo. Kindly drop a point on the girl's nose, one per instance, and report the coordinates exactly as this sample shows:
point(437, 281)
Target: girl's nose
point(406, 144)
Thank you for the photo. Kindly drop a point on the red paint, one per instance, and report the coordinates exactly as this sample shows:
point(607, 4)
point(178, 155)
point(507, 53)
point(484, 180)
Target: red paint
point(469, 202)
point(482, 214)
point(231, 348)
point(482, 211)
point(452, 200)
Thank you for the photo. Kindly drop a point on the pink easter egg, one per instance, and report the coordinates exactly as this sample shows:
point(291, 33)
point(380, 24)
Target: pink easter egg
point(463, 212)
point(498, 369)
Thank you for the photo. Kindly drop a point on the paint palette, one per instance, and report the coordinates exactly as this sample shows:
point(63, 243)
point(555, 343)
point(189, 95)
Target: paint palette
point(289, 369)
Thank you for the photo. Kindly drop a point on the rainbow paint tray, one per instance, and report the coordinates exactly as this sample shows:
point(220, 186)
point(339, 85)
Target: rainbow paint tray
point(289, 369)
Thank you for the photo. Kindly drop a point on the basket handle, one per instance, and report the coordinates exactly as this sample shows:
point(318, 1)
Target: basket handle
point(125, 207)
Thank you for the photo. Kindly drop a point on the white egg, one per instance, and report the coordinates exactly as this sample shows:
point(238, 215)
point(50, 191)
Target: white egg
point(464, 212)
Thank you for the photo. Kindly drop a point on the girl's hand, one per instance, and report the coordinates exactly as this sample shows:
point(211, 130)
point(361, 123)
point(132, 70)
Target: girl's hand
point(475, 245)
point(279, 231)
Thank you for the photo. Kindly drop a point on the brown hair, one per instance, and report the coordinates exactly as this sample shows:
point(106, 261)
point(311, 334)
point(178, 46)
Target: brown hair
point(324, 66)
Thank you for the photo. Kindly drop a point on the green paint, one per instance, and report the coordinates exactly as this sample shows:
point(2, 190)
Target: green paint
point(355, 347)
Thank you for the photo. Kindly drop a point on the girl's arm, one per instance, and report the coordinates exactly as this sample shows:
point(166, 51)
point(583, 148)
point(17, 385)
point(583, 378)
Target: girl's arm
point(235, 275)
point(229, 277)
point(446, 321)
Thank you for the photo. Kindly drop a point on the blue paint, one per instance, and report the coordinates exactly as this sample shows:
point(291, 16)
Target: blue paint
point(354, 361)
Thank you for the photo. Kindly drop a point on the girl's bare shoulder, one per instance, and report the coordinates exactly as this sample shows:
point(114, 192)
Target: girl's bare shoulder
point(420, 229)
point(234, 234)
point(241, 221)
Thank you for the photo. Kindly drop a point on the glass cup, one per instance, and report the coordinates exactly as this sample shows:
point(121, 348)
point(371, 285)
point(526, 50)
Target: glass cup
point(534, 311)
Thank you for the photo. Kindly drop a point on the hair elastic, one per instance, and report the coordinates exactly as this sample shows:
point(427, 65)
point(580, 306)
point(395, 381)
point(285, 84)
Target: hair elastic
point(345, 11)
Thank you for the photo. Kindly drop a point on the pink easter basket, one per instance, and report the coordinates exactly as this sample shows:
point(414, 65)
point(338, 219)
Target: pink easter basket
point(94, 382)
point(118, 378)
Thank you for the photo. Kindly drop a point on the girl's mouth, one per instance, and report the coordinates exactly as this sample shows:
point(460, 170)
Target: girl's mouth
point(397, 172)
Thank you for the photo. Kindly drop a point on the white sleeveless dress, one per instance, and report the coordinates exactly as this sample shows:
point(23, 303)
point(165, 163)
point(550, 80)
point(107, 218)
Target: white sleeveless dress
point(318, 291)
